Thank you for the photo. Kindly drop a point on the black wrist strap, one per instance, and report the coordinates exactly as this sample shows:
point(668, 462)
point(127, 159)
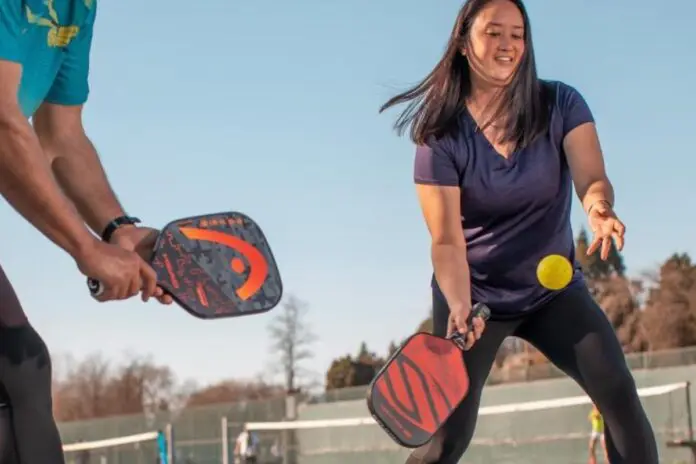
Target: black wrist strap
point(115, 224)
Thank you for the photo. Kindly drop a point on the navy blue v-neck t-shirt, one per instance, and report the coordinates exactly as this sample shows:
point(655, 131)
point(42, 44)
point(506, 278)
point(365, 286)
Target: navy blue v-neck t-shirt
point(515, 211)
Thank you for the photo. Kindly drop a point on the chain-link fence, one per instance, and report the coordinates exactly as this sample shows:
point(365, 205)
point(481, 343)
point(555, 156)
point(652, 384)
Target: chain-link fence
point(198, 433)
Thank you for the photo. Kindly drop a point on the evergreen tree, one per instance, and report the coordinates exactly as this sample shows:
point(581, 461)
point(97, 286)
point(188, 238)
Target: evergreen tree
point(392, 348)
point(593, 266)
point(347, 371)
point(426, 325)
point(363, 353)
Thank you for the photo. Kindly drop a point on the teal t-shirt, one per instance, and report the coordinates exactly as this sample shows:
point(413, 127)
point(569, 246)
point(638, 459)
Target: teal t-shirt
point(51, 39)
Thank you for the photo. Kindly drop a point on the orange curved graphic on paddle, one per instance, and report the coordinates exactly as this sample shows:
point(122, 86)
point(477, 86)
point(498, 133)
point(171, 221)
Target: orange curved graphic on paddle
point(258, 264)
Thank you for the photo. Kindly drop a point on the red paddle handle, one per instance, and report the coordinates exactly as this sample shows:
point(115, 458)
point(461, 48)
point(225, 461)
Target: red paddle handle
point(479, 310)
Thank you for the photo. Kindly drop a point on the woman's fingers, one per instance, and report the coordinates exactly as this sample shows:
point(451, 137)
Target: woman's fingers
point(470, 340)
point(618, 241)
point(606, 248)
point(618, 234)
point(606, 236)
point(596, 242)
point(479, 324)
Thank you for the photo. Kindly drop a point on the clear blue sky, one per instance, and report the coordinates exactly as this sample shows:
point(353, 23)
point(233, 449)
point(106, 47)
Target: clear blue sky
point(276, 103)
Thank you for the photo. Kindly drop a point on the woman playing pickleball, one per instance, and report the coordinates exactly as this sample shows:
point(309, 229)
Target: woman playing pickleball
point(498, 152)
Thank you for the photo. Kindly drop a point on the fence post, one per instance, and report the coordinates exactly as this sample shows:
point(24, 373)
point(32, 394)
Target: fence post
point(225, 441)
point(171, 455)
point(688, 411)
point(289, 437)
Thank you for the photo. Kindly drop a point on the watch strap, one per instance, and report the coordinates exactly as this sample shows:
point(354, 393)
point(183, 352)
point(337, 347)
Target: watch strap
point(115, 224)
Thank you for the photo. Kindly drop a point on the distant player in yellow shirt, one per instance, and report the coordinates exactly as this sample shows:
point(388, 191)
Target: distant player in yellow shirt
point(597, 434)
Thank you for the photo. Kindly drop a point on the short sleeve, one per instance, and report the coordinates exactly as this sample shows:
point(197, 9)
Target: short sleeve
point(435, 165)
point(71, 86)
point(10, 21)
point(574, 108)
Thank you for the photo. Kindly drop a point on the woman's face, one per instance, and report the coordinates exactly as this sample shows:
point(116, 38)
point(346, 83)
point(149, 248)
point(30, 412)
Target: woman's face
point(495, 46)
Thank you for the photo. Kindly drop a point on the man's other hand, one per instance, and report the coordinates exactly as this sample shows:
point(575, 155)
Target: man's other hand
point(142, 241)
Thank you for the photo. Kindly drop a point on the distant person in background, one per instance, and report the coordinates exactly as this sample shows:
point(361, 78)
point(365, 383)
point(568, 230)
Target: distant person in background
point(276, 451)
point(498, 153)
point(246, 449)
point(162, 455)
point(596, 434)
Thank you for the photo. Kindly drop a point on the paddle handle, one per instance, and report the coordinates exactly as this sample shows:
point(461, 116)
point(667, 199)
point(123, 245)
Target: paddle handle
point(479, 310)
point(95, 287)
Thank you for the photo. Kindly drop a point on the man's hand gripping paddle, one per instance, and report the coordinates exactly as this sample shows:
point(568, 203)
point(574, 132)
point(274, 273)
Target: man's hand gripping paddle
point(215, 265)
point(420, 386)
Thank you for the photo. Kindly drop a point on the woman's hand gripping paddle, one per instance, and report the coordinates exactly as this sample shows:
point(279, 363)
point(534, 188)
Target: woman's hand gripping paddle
point(215, 265)
point(421, 385)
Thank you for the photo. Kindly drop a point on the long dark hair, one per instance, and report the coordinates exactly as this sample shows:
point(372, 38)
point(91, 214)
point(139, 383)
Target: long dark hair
point(436, 103)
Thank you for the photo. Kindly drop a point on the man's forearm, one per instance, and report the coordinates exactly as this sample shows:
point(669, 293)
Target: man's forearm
point(26, 181)
point(80, 173)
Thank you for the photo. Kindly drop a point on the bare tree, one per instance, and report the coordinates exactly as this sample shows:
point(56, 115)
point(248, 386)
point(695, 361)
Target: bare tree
point(291, 338)
point(95, 388)
point(141, 386)
point(618, 298)
point(83, 390)
point(231, 390)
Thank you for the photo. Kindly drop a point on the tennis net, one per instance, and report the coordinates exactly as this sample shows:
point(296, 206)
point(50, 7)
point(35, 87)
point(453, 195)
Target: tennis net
point(540, 432)
point(143, 448)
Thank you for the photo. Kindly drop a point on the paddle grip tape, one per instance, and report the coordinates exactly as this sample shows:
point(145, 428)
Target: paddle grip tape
point(95, 287)
point(479, 310)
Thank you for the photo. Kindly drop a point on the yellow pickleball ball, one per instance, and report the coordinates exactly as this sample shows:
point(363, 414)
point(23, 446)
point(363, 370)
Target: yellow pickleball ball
point(554, 272)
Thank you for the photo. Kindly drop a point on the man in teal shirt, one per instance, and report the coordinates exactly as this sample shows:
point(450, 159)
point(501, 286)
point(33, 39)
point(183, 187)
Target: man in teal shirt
point(51, 174)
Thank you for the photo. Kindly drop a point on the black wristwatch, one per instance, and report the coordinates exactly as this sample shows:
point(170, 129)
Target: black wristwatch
point(115, 224)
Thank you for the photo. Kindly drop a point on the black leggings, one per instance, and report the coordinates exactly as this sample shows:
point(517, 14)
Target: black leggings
point(28, 432)
point(574, 333)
